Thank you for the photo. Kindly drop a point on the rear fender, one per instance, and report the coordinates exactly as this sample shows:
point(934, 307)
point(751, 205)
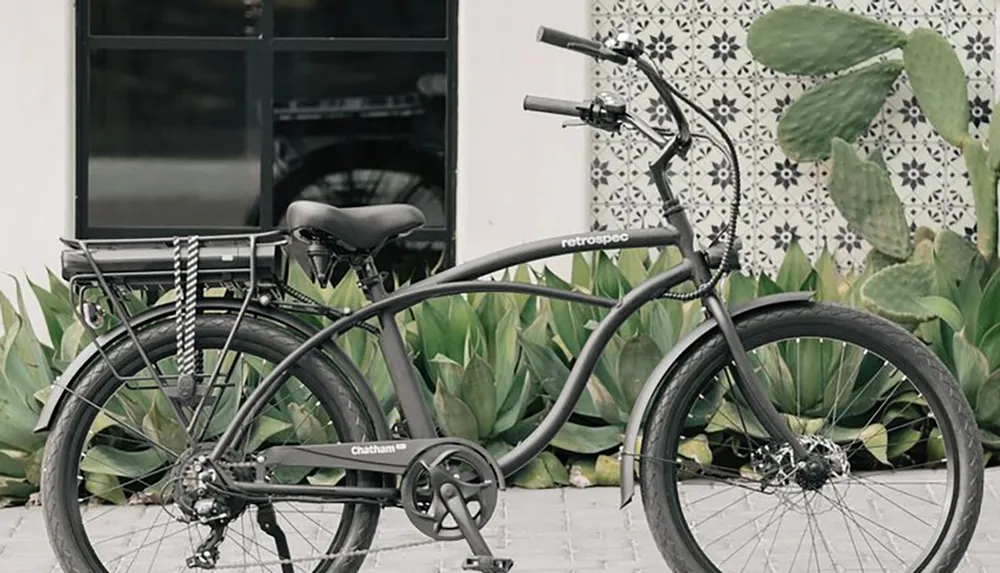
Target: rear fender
point(63, 387)
point(661, 375)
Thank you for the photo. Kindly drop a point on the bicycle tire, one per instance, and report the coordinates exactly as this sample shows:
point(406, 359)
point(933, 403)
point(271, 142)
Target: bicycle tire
point(60, 463)
point(666, 415)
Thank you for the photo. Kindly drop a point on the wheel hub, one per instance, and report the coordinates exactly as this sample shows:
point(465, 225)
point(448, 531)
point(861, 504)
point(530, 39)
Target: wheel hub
point(813, 474)
point(777, 466)
point(193, 477)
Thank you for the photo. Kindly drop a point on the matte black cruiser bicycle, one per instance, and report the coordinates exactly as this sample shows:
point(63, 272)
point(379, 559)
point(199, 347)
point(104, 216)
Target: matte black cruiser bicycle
point(258, 445)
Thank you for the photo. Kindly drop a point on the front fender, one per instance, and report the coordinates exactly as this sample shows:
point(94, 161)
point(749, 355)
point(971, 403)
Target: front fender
point(63, 386)
point(662, 371)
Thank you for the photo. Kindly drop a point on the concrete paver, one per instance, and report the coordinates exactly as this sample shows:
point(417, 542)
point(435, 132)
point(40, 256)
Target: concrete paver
point(553, 531)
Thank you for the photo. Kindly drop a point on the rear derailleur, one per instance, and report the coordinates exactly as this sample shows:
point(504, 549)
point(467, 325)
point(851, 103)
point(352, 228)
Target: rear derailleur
point(200, 498)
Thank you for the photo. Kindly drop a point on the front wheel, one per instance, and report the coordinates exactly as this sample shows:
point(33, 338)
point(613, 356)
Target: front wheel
point(899, 485)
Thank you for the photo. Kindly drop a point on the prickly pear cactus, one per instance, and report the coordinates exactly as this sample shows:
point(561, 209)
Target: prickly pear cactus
point(894, 291)
point(816, 40)
point(863, 193)
point(984, 193)
point(939, 83)
point(953, 255)
point(843, 107)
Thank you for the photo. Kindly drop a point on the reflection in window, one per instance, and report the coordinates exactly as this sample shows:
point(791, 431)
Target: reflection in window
point(360, 129)
point(355, 128)
point(170, 139)
point(174, 17)
point(360, 18)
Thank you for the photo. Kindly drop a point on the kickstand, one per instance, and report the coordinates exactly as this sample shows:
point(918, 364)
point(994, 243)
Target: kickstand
point(269, 525)
point(483, 559)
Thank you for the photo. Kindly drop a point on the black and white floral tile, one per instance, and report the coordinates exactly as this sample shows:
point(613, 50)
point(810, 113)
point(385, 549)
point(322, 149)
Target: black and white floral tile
point(701, 45)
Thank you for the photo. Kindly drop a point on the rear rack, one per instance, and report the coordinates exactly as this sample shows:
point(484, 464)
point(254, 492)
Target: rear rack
point(252, 265)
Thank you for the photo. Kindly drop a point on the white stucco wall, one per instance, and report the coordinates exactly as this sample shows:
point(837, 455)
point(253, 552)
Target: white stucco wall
point(520, 175)
point(36, 143)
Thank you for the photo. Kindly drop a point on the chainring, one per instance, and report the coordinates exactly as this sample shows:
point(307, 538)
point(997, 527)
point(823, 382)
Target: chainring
point(464, 467)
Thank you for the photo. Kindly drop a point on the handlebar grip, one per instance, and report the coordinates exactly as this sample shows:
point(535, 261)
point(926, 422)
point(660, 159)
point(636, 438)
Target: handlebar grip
point(556, 106)
point(564, 40)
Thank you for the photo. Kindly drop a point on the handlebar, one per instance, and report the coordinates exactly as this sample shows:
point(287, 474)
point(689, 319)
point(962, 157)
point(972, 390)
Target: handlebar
point(609, 111)
point(556, 106)
point(621, 51)
point(586, 46)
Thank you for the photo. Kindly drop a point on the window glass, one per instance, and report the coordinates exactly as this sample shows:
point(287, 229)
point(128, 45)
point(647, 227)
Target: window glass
point(354, 128)
point(174, 17)
point(172, 139)
point(361, 18)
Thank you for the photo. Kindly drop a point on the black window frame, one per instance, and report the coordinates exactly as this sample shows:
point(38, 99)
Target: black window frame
point(261, 49)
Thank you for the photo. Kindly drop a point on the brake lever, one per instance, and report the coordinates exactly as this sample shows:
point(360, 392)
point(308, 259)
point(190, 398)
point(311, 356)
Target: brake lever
point(574, 123)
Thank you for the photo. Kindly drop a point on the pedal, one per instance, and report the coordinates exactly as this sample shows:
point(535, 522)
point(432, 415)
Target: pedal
point(488, 564)
point(484, 560)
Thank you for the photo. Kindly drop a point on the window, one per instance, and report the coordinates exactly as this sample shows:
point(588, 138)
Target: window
point(206, 116)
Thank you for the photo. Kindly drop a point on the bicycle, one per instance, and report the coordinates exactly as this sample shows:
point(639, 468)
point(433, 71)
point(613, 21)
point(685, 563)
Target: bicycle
point(342, 452)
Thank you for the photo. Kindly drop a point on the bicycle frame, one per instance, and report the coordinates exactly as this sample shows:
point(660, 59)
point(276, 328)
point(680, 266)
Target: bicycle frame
point(462, 279)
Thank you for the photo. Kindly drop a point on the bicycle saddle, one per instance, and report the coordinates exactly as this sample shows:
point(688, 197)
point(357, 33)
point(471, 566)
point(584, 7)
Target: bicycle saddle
point(361, 228)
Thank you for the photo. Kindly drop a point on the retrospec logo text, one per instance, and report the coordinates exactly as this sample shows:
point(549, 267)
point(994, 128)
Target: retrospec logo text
point(595, 240)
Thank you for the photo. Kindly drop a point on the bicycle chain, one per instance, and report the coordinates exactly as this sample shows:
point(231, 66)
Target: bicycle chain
point(291, 561)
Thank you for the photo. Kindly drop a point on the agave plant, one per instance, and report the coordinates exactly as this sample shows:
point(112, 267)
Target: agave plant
point(821, 387)
point(476, 374)
point(630, 356)
point(27, 368)
point(960, 318)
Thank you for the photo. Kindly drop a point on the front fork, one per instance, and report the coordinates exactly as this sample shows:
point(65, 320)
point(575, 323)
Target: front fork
point(748, 384)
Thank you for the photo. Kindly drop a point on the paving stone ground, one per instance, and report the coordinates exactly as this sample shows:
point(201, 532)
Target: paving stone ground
point(558, 531)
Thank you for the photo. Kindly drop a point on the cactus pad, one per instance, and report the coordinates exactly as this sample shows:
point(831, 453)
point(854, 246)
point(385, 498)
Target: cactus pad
point(863, 193)
point(938, 81)
point(844, 107)
point(994, 138)
point(894, 291)
point(815, 40)
point(984, 194)
point(953, 255)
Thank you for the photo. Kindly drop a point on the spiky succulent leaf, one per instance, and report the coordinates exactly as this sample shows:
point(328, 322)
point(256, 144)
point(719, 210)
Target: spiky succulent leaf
point(894, 291)
point(794, 269)
point(638, 358)
point(988, 315)
point(843, 107)
point(875, 438)
point(815, 40)
point(988, 402)
point(971, 367)
point(863, 193)
point(454, 416)
point(581, 439)
point(984, 194)
point(939, 83)
point(479, 393)
point(944, 309)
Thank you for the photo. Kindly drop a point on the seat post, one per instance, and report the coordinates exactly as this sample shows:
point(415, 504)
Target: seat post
point(415, 413)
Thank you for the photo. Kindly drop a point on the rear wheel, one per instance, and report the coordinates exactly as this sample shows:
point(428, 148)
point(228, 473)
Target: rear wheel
point(898, 484)
point(121, 442)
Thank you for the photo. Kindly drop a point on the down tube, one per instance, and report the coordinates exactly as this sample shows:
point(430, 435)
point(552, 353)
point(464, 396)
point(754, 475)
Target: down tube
point(525, 451)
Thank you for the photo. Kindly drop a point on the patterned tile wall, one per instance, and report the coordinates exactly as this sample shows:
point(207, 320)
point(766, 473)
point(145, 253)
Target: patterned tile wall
point(701, 45)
